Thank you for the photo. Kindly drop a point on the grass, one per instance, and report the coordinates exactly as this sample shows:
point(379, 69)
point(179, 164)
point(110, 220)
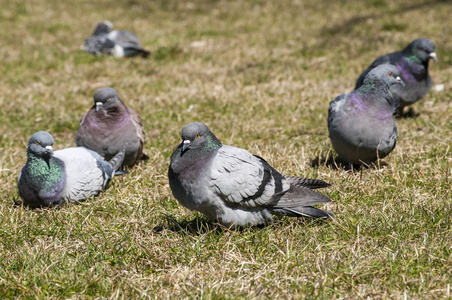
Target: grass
point(261, 75)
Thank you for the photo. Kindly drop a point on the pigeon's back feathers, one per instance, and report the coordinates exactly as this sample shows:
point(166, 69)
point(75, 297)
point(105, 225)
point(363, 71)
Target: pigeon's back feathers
point(239, 177)
point(88, 173)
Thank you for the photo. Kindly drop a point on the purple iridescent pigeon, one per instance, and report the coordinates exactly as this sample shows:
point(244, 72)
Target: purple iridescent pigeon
point(361, 123)
point(234, 187)
point(69, 175)
point(110, 126)
point(412, 63)
point(119, 43)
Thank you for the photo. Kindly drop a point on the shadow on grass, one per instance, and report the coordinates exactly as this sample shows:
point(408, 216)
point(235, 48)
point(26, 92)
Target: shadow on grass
point(348, 25)
point(196, 226)
point(201, 225)
point(336, 163)
point(409, 114)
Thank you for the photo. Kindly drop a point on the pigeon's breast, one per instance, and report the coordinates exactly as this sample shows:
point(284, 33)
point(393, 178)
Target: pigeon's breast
point(188, 178)
point(42, 183)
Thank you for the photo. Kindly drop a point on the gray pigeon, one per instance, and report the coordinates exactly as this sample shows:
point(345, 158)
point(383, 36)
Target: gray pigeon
point(109, 126)
point(412, 63)
point(119, 43)
point(70, 175)
point(234, 187)
point(361, 125)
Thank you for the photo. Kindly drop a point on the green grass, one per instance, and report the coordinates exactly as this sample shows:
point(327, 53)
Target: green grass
point(260, 75)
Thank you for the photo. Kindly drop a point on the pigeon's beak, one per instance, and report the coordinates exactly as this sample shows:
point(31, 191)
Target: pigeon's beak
point(98, 105)
point(49, 150)
point(185, 145)
point(400, 80)
point(433, 55)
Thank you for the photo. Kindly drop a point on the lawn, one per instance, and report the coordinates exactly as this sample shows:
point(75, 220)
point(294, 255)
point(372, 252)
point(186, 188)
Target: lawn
point(261, 75)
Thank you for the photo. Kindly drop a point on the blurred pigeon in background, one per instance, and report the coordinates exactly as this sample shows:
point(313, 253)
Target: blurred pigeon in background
point(412, 63)
point(119, 43)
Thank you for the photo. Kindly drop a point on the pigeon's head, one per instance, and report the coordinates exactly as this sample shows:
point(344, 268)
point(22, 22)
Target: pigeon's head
point(40, 144)
point(104, 27)
point(105, 97)
point(386, 73)
point(423, 49)
point(198, 136)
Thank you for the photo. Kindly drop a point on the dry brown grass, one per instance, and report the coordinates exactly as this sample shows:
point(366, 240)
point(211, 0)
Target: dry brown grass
point(261, 75)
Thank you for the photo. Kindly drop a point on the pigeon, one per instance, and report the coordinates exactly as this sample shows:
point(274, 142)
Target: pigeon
point(70, 175)
point(119, 43)
point(361, 124)
point(412, 63)
point(234, 187)
point(109, 126)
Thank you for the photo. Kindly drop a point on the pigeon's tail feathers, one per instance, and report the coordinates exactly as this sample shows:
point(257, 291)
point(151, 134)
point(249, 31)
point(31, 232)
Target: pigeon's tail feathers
point(298, 196)
point(307, 182)
point(396, 102)
point(144, 156)
point(297, 201)
point(121, 172)
point(303, 211)
point(117, 160)
point(132, 50)
point(144, 53)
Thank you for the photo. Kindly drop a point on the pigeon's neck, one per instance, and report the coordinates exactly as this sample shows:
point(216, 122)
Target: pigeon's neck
point(410, 56)
point(373, 87)
point(376, 102)
point(212, 143)
point(42, 166)
point(116, 109)
point(412, 70)
point(203, 153)
point(46, 174)
point(114, 116)
point(191, 162)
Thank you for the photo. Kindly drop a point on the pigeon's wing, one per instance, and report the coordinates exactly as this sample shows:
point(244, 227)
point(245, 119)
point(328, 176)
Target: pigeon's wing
point(87, 173)
point(98, 44)
point(384, 59)
point(82, 121)
point(307, 182)
point(125, 38)
point(81, 132)
point(334, 106)
point(139, 131)
point(129, 43)
point(239, 177)
point(28, 194)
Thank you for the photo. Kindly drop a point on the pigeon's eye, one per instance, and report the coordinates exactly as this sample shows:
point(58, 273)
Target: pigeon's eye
point(389, 74)
point(423, 49)
point(197, 136)
point(38, 143)
point(108, 99)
